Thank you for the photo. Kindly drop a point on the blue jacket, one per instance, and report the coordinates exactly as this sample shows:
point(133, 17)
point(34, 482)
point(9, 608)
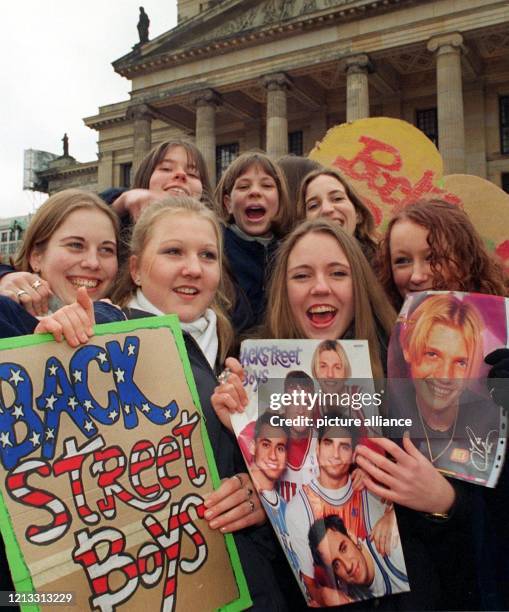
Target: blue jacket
point(250, 263)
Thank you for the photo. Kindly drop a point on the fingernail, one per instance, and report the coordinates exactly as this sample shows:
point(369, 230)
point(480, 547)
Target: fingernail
point(213, 524)
point(206, 502)
point(208, 514)
point(224, 530)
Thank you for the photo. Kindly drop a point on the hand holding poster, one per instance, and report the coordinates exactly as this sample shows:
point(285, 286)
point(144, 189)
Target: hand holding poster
point(438, 379)
point(105, 462)
point(310, 403)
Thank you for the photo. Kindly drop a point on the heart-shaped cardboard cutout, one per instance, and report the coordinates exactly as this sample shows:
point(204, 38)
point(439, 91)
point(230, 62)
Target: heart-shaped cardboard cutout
point(391, 163)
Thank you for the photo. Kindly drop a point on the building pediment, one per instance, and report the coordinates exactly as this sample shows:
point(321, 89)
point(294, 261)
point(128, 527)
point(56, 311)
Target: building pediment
point(236, 23)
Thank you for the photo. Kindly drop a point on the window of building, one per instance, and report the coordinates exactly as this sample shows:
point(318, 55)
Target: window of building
point(125, 174)
point(426, 120)
point(4, 236)
point(505, 181)
point(504, 124)
point(225, 154)
point(295, 141)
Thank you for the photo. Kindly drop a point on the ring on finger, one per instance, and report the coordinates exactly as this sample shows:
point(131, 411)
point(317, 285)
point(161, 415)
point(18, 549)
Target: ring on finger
point(36, 284)
point(251, 505)
point(239, 478)
point(224, 376)
point(249, 492)
point(21, 292)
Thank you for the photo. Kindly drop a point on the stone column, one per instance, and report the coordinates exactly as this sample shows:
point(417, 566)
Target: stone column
point(206, 102)
point(252, 135)
point(451, 125)
point(357, 68)
point(141, 116)
point(277, 120)
point(105, 177)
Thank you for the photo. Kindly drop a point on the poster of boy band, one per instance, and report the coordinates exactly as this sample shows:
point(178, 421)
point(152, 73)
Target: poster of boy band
point(104, 467)
point(437, 378)
point(310, 402)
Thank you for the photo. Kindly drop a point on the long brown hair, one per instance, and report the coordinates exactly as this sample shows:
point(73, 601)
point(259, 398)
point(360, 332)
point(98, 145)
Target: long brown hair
point(194, 158)
point(365, 230)
point(238, 167)
point(454, 244)
point(50, 216)
point(372, 312)
point(126, 288)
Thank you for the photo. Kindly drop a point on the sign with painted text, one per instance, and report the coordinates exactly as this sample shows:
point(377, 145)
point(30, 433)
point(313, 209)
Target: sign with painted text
point(105, 462)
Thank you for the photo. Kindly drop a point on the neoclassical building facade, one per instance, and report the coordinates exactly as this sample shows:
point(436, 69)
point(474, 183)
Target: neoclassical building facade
point(276, 74)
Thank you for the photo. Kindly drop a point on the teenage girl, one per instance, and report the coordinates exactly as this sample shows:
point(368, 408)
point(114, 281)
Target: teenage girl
point(323, 288)
point(174, 167)
point(252, 200)
point(71, 242)
point(175, 266)
point(326, 193)
point(432, 244)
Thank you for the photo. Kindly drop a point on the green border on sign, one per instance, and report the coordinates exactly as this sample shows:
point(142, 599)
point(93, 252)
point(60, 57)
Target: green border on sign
point(19, 570)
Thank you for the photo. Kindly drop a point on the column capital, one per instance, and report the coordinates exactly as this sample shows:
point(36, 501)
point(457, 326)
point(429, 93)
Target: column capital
point(276, 81)
point(446, 43)
point(206, 97)
point(139, 111)
point(358, 64)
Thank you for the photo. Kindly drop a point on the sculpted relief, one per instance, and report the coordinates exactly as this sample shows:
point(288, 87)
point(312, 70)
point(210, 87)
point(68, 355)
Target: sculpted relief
point(274, 11)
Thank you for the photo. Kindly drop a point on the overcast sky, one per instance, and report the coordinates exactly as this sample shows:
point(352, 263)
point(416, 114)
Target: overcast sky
point(56, 69)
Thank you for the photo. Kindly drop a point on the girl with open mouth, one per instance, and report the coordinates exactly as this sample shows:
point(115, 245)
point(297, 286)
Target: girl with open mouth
point(252, 200)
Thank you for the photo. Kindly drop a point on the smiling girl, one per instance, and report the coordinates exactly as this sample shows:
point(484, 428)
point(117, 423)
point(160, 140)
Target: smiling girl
point(327, 291)
point(252, 200)
point(432, 244)
point(325, 193)
point(175, 267)
point(71, 242)
point(174, 167)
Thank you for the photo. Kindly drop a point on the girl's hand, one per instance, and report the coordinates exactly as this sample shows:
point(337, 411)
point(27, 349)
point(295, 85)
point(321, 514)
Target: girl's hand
point(385, 535)
point(357, 477)
point(134, 201)
point(235, 505)
point(230, 396)
point(408, 479)
point(28, 290)
point(74, 322)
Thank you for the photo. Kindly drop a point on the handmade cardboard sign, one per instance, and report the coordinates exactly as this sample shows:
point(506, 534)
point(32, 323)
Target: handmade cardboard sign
point(391, 163)
point(104, 464)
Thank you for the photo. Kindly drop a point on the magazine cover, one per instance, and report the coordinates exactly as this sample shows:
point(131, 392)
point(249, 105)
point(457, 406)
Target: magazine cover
point(310, 403)
point(104, 464)
point(438, 379)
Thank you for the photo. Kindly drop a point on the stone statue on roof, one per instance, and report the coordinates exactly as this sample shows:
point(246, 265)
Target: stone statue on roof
point(65, 140)
point(143, 24)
